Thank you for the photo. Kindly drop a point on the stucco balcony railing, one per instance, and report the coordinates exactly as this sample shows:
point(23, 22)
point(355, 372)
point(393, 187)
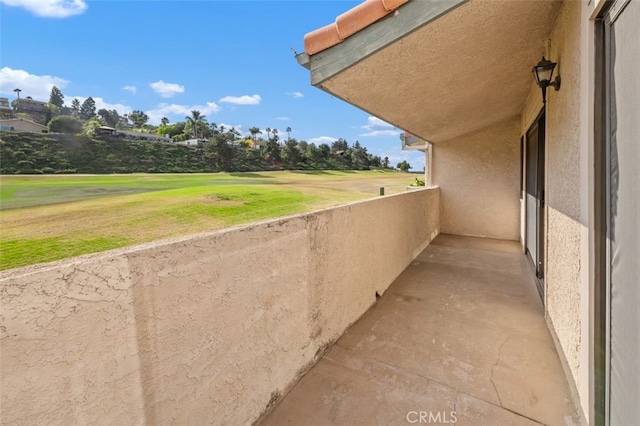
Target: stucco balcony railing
point(211, 329)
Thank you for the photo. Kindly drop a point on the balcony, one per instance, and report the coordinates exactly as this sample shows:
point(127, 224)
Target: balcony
point(218, 328)
point(459, 337)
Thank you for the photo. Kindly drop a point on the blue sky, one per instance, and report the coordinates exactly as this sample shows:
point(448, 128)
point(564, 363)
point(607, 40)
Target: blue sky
point(231, 60)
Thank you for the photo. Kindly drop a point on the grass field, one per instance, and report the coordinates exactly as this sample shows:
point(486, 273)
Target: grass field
point(45, 218)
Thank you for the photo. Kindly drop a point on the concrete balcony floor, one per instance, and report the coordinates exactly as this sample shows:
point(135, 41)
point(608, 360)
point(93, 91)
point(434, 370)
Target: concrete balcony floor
point(462, 329)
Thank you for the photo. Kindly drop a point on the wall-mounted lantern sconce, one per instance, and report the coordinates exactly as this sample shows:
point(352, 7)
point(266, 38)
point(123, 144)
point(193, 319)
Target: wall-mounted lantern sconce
point(543, 71)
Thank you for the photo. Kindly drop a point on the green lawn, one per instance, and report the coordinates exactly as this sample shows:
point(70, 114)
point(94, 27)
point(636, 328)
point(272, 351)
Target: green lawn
point(46, 218)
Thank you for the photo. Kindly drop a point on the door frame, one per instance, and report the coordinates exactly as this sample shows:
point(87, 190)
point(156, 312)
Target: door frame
point(539, 268)
point(601, 347)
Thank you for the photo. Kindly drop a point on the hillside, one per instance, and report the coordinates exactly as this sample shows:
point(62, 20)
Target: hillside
point(32, 153)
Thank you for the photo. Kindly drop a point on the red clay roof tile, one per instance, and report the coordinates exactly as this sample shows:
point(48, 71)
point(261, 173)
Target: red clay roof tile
point(349, 23)
point(392, 5)
point(360, 17)
point(321, 39)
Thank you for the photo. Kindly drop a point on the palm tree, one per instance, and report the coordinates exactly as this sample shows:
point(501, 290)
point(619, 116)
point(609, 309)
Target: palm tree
point(254, 132)
point(164, 121)
point(18, 93)
point(196, 120)
point(288, 130)
point(268, 130)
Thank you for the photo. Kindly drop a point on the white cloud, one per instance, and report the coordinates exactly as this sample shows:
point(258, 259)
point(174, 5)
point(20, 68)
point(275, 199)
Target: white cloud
point(322, 139)
point(50, 8)
point(166, 90)
point(295, 95)
point(375, 122)
point(379, 128)
point(36, 86)
point(283, 118)
point(121, 108)
point(132, 89)
point(242, 100)
point(167, 110)
point(381, 133)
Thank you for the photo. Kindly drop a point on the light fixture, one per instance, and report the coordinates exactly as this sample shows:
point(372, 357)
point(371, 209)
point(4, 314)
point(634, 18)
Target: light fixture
point(543, 72)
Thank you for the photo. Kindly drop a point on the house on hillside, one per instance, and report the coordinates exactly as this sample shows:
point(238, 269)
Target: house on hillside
point(110, 131)
point(22, 125)
point(189, 142)
point(30, 105)
point(143, 136)
point(548, 158)
point(106, 131)
point(5, 107)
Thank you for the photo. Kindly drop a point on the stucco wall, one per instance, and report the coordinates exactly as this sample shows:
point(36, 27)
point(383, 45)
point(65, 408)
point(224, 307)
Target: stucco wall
point(568, 180)
point(209, 329)
point(21, 125)
point(479, 179)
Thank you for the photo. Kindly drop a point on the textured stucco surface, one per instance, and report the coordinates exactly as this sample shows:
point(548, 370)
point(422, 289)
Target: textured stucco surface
point(479, 179)
point(460, 73)
point(563, 189)
point(210, 329)
point(566, 284)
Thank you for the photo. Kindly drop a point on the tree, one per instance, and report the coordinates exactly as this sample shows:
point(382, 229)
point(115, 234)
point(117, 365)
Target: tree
point(254, 132)
point(88, 108)
point(325, 150)
point(109, 118)
point(288, 130)
point(90, 127)
point(339, 145)
point(56, 97)
point(197, 121)
point(223, 150)
point(291, 152)
point(75, 107)
point(385, 162)
point(404, 166)
point(359, 156)
point(272, 150)
point(268, 130)
point(65, 124)
point(375, 161)
point(164, 121)
point(172, 130)
point(138, 118)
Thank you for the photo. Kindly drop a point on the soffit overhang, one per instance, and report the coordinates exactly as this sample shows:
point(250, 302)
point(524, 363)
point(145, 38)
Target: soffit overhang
point(440, 69)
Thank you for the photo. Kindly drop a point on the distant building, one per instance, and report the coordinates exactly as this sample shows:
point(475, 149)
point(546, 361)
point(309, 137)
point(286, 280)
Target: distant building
point(255, 144)
point(110, 131)
point(5, 107)
point(31, 105)
point(106, 131)
point(189, 142)
point(124, 122)
point(22, 125)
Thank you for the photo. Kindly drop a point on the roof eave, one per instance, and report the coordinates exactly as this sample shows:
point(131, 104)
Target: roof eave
point(304, 60)
point(406, 19)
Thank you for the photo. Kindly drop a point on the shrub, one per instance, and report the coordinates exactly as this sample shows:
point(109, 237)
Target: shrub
point(65, 124)
point(417, 182)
